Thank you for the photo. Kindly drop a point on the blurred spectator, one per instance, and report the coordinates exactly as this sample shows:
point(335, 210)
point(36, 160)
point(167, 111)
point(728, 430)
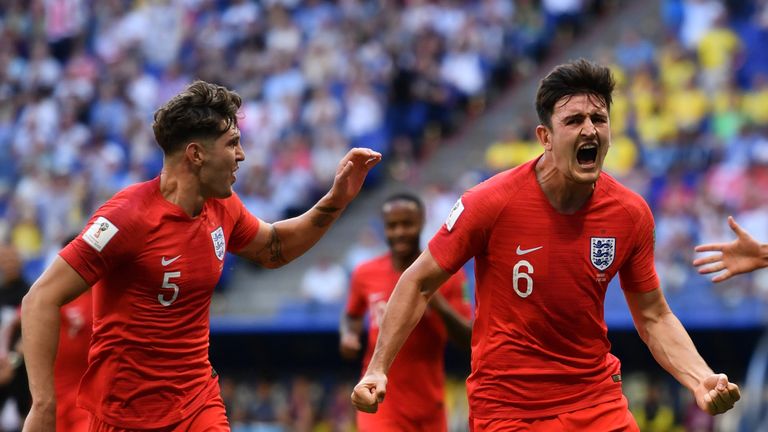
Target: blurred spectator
point(324, 282)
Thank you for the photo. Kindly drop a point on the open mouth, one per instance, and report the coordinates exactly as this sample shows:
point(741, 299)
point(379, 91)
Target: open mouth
point(587, 154)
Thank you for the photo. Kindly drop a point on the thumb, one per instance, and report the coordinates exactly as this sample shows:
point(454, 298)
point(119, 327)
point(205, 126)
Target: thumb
point(735, 227)
point(722, 382)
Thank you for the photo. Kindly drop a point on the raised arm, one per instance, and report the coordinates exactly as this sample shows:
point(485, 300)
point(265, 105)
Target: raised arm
point(404, 310)
point(40, 321)
point(742, 255)
point(281, 242)
point(674, 351)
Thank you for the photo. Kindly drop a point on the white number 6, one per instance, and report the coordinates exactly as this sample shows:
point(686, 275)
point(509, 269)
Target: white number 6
point(168, 285)
point(517, 275)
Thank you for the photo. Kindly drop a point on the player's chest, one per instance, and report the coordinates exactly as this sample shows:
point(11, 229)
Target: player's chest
point(559, 250)
point(182, 258)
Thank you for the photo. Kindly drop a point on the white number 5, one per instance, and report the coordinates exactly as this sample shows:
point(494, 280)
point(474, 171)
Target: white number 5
point(517, 275)
point(168, 285)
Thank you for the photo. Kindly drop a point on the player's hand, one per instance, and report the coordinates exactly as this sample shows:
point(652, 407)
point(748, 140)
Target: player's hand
point(350, 346)
point(351, 173)
point(369, 392)
point(739, 256)
point(716, 395)
point(40, 419)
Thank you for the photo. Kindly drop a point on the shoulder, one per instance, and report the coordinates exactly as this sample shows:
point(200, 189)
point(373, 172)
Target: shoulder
point(630, 201)
point(373, 265)
point(130, 205)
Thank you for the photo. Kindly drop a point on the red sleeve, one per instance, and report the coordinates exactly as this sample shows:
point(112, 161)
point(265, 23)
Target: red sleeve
point(246, 225)
point(464, 233)
point(455, 291)
point(638, 274)
point(356, 303)
point(106, 239)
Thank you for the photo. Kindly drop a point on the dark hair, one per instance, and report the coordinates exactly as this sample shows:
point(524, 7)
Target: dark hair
point(203, 111)
point(404, 196)
point(569, 79)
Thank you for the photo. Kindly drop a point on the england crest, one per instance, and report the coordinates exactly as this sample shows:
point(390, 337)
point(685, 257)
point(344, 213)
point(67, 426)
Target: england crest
point(219, 247)
point(602, 252)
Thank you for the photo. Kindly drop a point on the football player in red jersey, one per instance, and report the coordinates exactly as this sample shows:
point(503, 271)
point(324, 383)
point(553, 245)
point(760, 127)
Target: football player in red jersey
point(547, 238)
point(417, 400)
point(743, 255)
point(153, 254)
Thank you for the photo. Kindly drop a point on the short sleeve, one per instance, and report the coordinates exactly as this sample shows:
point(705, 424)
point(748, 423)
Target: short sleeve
point(108, 237)
point(245, 226)
point(638, 274)
point(465, 232)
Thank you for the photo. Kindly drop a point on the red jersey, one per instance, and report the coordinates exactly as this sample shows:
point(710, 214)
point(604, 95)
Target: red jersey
point(417, 376)
point(72, 357)
point(153, 270)
point(539, 341)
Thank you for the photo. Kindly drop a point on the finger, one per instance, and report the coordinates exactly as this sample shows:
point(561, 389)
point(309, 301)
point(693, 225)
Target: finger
point(734, 392)
point(709, 259)
point(346, 170)
point(381, 391)
point(722, 276)
point(736, 227)
point(716, 267)
point(710, 247)
point(722, 383)
point(714, 404)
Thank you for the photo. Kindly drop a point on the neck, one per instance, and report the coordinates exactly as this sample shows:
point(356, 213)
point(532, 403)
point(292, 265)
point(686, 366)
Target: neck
point(563, 194)
point(400, 263)
point(179, 186)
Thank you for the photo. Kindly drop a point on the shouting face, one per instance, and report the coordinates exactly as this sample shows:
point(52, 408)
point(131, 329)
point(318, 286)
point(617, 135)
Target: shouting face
point(219, 163)
point(579, 137)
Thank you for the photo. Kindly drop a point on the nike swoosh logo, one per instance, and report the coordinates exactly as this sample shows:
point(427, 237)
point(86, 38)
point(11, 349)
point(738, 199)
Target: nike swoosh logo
point(526, 251)
point(165, 262)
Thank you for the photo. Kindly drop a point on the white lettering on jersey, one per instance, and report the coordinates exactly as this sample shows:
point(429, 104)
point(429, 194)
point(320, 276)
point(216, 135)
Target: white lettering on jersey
point(453, 216)
point(100, 233)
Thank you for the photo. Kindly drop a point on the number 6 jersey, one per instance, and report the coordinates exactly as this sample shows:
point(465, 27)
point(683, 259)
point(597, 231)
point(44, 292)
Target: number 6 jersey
point(153, 270)
point(539, 341)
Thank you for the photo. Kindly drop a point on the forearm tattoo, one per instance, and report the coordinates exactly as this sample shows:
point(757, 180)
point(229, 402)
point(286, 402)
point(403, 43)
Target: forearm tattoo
point(275, 247)
point(326, 216)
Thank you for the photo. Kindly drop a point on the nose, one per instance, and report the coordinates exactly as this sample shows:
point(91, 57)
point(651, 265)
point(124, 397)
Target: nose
point(239, 153)
point(589, 128)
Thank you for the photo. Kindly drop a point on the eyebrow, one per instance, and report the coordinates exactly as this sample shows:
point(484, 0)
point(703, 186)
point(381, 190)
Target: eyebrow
point(582, 115)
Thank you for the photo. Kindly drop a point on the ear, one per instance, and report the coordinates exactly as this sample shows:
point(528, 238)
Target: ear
point(195, 153)
point(544, 136)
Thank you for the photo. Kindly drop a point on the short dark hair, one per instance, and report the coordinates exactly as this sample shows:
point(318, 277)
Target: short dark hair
point(569, 79)
point(404, 196)
point(202, 111)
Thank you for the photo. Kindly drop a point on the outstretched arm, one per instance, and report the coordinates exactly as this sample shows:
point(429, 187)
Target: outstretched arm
point(40, 320)
point(742, 255)
point(674, 351)
point(404, 310)
point(281, 242)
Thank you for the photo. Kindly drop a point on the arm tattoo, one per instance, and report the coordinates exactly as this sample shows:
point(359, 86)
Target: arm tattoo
point(275, 247)
point(325, 217)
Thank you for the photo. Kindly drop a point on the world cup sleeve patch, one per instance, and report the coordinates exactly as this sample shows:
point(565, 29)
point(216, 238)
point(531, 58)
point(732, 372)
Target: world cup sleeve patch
point(453, 216)
point(100, 233)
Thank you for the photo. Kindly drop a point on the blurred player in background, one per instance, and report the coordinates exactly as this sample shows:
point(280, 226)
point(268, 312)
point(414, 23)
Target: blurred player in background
point(743, 255)
point(153, 254)
point(547, 238)
point(417, 400)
